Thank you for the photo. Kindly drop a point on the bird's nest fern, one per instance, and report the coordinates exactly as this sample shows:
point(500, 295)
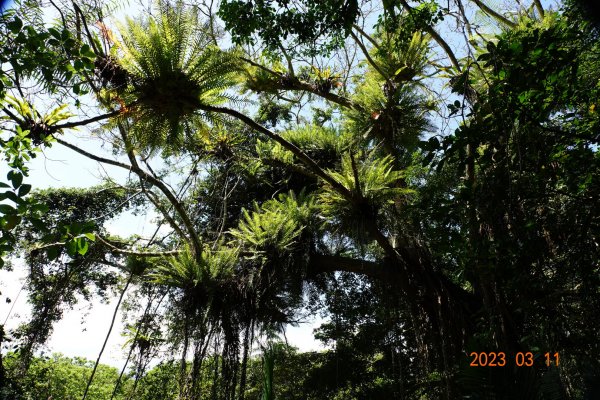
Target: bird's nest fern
point(174, 71)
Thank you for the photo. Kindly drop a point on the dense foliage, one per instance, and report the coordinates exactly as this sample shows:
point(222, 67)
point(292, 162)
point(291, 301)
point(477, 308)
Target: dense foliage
point(422, 174)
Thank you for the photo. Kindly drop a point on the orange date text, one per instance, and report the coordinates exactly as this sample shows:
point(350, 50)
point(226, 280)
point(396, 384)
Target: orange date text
point(520, 359)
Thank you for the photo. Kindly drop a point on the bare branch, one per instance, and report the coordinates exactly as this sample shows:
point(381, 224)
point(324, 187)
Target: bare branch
point(466, 22)
point(320, 263)
point(86, 121)
point(93, 156)
point(367, 56)
point(366, 36)
point(499, 17)
point(288, 59)
point(62, 15)
point(355, 172)
point(13, 116)
point(443, 44)
point(118, 250)
point(539, 7)
point(150, 179)
point(85, 26)
point(152, 197)
point(193, 235)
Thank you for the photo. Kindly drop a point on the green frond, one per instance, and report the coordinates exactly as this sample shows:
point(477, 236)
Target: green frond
point(321, 144)
point(389, 112)
point(174, 70)
point(378, 186)
point(260, 80)
point(40, 126)
point(22, 108)
point(298, 207)
point(276, 225)
point(56, 115)
point(260, 231)
point(403, 62)
point(377, 179)
point(140, 337)
point(188, 272)
point(416, 56)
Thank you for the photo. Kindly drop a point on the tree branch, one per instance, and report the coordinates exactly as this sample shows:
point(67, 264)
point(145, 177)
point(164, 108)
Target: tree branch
point(443, 44)
point(118, 250)
point(13, 116)
point(499, 17)
point(87, 30)
point(93, 156)
point(193, 235)
point(355, 172)
point(366, 36)
point(302, 156)
point(367, 56)
point(539, 7)
point(150, 195)
point(296, 84)
point(148, 178)
point(319, 263)
point(85, 121)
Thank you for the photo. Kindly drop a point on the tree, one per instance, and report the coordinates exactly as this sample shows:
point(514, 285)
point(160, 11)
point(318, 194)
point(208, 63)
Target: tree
point(422, 243)
point(60, 377)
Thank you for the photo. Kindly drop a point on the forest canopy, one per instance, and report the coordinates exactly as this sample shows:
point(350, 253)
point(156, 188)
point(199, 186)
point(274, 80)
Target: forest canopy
point(423, 174)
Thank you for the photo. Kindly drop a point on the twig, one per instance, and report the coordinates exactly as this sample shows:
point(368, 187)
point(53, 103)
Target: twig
point(438, 39)
point(302, 156)
point(366, 36)
point(112, 323)
point(499, 17)
point(86, 121)
point(367, 56)
point(116, 249)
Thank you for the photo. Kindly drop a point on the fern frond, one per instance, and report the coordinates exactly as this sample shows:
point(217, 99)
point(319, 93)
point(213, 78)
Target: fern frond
point(275, 225)
point(174, 71)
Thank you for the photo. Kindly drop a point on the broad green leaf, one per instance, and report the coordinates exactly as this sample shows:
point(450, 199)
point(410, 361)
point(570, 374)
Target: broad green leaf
point(12, 221)
point(82, 246)
point(72, 247)
point(16, 178)
point(15, 25)
point(24, 190)
point(6, 209)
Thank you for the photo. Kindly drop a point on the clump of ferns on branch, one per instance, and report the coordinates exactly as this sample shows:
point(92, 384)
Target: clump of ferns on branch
point(197, 277)
point(175, 69)
point(373, 183)
point(40, 127)
point(273, 229)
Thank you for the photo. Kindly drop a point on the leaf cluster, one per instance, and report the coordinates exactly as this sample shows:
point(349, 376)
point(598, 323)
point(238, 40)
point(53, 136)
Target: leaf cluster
point(174, 69)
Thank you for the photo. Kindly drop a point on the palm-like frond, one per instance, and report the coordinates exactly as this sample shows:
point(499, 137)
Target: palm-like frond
point(174, 69)
point(323, 145)
point(276, 225)
point(377, 179)
point(378, 185)
point(264, 230)
point(40, 126)
point(188, 272)
point(403, 62)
